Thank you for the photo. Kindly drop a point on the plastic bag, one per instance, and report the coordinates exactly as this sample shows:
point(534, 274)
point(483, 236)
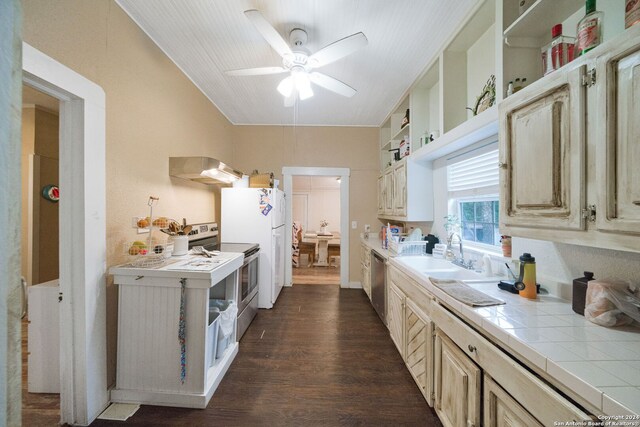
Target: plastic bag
point(228, 313)
point(612, 302)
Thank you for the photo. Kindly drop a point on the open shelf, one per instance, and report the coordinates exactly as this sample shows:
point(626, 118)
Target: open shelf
point(537, 21)
point(482, 126)
point(466, 64)
point(425, 106)
point(526, 34)
point(402, 132)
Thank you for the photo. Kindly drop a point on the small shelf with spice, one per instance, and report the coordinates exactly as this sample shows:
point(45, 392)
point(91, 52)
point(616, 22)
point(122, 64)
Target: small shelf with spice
point(525, 34)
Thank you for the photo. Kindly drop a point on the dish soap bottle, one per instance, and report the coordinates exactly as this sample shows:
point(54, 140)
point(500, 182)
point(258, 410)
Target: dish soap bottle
point(589, 32)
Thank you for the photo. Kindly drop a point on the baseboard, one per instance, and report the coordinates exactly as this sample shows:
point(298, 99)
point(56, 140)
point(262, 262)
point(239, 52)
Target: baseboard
point(355, 285)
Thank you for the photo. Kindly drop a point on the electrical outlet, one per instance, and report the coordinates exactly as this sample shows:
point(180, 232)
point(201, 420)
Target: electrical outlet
point(354, 224)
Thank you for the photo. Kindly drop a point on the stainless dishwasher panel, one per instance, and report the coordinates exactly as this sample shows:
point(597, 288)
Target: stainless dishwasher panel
point(379, 286)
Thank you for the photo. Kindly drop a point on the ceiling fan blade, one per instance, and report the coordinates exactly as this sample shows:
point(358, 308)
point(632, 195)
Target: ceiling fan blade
point(332, 84)
point(337, 50)
point(268, 32)
point(259, 71)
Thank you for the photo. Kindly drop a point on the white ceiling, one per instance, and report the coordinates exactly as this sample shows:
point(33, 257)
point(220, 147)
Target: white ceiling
point(206, 37)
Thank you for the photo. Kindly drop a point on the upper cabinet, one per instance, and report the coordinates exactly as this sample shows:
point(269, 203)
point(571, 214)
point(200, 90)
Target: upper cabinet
point(618, 134)
point(405, 192)
point(542, 154)
point(569, 151)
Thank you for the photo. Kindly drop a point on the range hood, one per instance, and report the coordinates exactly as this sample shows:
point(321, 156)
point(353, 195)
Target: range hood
point(203, 169)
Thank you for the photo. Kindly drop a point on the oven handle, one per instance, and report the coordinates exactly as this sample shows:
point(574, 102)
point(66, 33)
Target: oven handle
point(250, 258)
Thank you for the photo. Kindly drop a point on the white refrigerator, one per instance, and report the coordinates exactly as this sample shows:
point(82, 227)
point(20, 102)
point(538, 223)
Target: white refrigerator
point(256, 215)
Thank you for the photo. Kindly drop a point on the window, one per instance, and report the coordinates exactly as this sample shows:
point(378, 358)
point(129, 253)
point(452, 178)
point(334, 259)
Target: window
point(473, 193)
point(479, 221)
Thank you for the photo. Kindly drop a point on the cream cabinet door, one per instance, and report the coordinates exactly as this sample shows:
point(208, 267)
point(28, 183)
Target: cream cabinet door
point(400, 189)
point(395, 316)
point(618, 139)
point(542, 151)
point(419, 348)
point(457, 385)
point(388, 193)
point(381, 194)
point(501, 410)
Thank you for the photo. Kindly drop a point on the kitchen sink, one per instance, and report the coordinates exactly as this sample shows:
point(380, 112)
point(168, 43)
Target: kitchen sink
point(443, 269)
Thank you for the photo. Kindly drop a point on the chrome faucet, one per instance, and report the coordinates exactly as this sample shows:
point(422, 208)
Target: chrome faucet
point(459, 261)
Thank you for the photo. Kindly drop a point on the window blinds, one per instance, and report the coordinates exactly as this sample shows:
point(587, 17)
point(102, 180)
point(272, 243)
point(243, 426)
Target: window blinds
point(474, 176)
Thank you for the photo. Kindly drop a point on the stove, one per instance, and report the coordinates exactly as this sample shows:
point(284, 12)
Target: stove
point(206, 235)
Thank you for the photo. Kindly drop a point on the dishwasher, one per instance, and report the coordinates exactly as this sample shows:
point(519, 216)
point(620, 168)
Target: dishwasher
point(379, 285)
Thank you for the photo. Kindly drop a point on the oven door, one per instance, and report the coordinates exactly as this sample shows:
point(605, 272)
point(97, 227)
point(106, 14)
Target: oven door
point(248, 280)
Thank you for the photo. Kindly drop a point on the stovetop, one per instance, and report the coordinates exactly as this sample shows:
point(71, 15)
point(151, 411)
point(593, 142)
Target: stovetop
point(206, 235)
point(245, 248)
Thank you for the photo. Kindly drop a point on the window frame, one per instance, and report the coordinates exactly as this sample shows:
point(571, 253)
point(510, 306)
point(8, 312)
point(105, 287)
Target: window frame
point(480, 194)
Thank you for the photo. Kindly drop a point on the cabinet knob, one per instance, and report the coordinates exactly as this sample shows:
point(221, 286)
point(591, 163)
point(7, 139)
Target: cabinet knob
point(471, 348)
point(636, 202)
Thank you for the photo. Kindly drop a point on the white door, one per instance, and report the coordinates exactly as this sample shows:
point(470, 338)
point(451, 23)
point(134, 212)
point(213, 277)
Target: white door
point(300, 209)
point(278, 262)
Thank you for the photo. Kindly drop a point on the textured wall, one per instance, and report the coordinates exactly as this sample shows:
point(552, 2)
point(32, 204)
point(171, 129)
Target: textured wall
point(153, 112)
point(561, 262)
point(269, 148)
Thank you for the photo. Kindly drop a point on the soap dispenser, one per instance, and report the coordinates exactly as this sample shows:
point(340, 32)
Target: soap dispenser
point(526, 282)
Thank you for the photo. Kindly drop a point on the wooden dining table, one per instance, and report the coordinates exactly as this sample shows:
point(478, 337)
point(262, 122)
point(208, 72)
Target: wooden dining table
point(322, 242)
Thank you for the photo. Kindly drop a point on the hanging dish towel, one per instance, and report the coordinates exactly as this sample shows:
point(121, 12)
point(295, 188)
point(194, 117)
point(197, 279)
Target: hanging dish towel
point(465, 293)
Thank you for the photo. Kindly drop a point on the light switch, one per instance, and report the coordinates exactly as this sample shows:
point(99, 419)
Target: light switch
point(354, 224)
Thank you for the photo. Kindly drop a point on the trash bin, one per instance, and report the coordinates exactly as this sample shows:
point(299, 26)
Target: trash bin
point(227, 322)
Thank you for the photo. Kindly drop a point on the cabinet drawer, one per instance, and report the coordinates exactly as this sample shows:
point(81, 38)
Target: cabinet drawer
point(531, 392)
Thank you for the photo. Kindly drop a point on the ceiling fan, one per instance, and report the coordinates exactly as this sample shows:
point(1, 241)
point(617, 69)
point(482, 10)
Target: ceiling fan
point(299, 62)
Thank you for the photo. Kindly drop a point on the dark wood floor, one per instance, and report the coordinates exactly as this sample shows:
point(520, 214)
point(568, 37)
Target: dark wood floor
point(320, 357)
point(314, 275)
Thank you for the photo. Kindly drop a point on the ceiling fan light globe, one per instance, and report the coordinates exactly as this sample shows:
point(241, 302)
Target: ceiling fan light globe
point(305, 92)
point(286, 87)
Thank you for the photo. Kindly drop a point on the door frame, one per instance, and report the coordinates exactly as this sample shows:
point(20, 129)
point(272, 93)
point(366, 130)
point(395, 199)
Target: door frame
point(83, 368)
point(344, 174)
point(306, 207)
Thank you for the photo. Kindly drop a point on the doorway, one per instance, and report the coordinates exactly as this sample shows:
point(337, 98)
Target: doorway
point(340, 226)
point(315, 237)
point(40, 258)
point(82, 235)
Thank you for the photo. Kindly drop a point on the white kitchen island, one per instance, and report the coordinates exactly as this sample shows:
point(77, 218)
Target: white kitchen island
point(150, 368)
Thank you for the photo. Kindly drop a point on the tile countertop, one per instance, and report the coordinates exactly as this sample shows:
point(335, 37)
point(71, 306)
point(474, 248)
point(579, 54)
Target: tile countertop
point(600, 364)
point(374, 243)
